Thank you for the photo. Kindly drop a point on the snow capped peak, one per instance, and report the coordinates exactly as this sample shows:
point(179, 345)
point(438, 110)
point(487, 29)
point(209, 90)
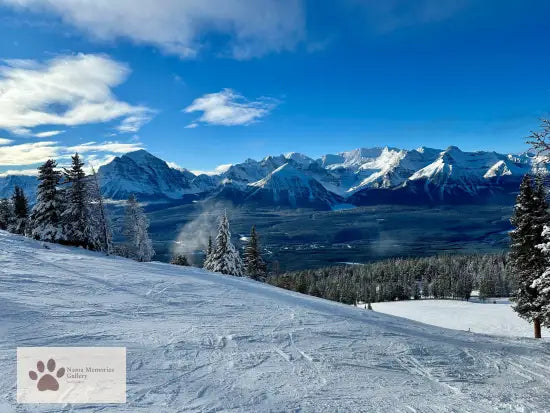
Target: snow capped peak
point(425, 149)
point(284, 174)
point(453, 148)
point(452, 155)
point(145, 175)
point(299, 158)
point(141, 156)
point(498, 169)
point(289, 185)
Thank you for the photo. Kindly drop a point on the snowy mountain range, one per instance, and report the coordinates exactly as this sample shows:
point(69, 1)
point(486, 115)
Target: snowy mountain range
point(359, 177)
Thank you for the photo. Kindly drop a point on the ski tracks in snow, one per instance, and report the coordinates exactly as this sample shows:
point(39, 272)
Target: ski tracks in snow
point(204, 342)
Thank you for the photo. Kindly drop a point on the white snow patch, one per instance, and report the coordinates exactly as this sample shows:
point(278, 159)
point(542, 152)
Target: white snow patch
point(486, 318)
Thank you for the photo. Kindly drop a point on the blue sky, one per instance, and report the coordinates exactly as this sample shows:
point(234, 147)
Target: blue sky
point(208, 82)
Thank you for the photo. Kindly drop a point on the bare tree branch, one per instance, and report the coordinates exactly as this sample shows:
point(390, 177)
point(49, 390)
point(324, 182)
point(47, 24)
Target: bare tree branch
point(540, 140)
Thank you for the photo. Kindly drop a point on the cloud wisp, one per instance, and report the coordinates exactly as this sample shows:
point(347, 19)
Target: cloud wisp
point(48, 134)
point(181, 27)
point(228, 108)
point(35, 153)
point(112, 147)
point(28, 153)
point(67, 90)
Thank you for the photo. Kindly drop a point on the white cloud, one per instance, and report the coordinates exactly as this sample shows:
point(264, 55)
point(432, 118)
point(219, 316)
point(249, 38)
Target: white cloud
point(174, 165)
point(133, 123)
point(38, 152)
point(192, 125)
point(48, 134)
point(26, 172)
point(217, 171)
point(252, 27)
point(4, 141)
point(228, 108)
point(95, 161)
point(113, 147)
point(28, 153)
point(67, 90)
point(222, 168)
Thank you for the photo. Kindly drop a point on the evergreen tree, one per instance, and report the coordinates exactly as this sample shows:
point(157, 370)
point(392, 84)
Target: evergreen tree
point(542, 284)
point(21, 211)
point(179, 259)
point(210, 247)
point(415, 290)
point(526, 260)
point(46, 213)
point(7, 216)
point(486, 288)
point(254, 263)
point(225, 257)
point(207, 265)
point(100, 235)
point(136, 224)
point(76, 221)
point(275, 267)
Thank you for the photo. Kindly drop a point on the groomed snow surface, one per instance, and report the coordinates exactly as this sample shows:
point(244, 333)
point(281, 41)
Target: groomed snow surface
point(493, 316)
point(205, 342)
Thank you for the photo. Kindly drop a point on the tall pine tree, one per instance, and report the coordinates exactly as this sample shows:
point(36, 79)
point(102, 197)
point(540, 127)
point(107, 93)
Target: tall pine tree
point(76, 213)
point(21, 211)
point(99, 228)
point(254, 264)
point(542, 284)
point(207, 265)
point(136, 224)
point(225, 257)
point(46, 213)
point(526, 259)
point(7, 216)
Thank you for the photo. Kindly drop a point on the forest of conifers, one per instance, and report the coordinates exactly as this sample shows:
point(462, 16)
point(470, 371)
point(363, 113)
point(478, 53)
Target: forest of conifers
point(443, 276)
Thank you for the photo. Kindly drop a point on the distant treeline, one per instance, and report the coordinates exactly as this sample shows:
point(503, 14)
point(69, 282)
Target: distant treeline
point(444, 276)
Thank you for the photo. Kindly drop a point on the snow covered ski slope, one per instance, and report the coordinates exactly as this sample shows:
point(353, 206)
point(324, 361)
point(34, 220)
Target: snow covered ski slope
point(204, 342)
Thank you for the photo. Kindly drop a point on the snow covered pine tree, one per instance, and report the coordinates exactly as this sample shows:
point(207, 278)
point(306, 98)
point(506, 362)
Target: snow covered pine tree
point(526, 259)
point(542, 284)
point(100, 228)
point(225, 257)
point(140, 246)
point(76, 214)
point(7, 216)
point(20, 210)
point(46, 213)
point(254, 264)
point(207, 265)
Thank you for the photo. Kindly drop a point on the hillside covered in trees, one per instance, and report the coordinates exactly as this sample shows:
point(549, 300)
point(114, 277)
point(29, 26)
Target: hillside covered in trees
point(445, 276)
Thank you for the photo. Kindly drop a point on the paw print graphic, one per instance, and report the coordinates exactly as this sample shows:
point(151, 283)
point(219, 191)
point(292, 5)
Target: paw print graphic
point(47, 381)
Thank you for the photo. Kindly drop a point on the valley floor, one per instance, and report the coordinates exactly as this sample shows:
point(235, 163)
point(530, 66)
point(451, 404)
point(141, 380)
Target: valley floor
point(198, 341)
